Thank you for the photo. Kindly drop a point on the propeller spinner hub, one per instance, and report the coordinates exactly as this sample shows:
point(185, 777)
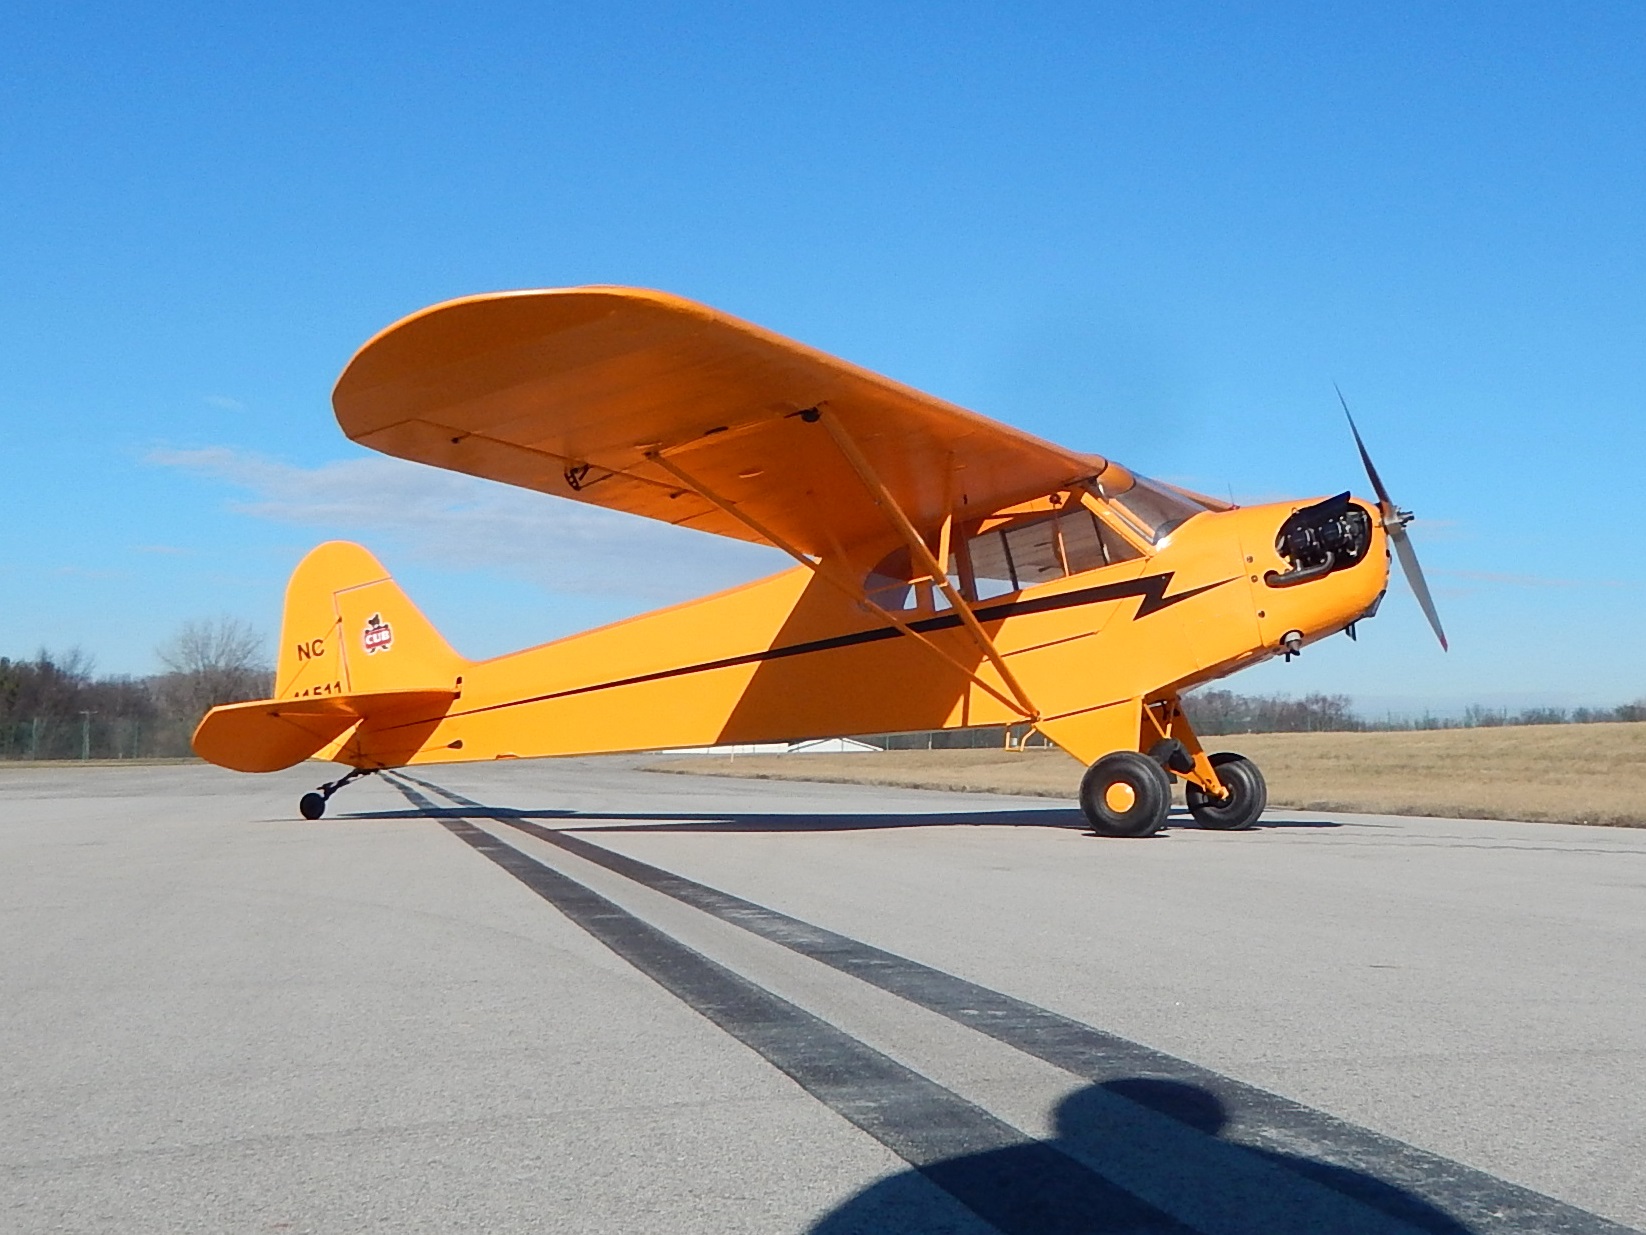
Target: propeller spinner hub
point(1395, 518)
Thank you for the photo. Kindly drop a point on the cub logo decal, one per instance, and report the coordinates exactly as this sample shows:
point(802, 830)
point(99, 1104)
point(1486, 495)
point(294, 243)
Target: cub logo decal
point(378, 635)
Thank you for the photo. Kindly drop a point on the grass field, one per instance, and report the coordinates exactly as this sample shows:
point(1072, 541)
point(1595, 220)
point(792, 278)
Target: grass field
point(1553, 773)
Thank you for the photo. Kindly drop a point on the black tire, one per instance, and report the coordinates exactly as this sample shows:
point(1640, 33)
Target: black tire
point(1150, 791)
point(1248, 795)
point(311, 805)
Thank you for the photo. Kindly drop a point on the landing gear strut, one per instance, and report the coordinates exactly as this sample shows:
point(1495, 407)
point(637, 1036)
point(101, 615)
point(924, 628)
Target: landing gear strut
point(1248, 795)
point(312, 805)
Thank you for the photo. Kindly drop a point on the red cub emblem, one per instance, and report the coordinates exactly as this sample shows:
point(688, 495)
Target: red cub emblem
point(378, 635)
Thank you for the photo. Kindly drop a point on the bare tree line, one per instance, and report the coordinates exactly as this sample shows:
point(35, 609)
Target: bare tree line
point(53, 706)
point(1224, 712)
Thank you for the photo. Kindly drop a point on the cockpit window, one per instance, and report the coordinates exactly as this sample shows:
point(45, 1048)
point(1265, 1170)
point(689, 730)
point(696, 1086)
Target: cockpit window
point(1013, 555)
point(1154, 509)
point(1040, 548)
point(889, 584)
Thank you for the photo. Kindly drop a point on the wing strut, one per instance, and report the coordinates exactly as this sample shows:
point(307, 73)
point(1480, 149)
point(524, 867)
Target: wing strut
point(923, 555)
point(829, 575)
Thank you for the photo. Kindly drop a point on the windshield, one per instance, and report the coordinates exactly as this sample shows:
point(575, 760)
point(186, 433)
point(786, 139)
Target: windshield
point(1153, 508)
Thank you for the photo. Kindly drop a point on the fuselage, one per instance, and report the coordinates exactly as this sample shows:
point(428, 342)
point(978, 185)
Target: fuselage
point(797, 656)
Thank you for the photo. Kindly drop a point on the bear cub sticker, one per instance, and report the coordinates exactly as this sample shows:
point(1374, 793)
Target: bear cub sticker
point(378, 635)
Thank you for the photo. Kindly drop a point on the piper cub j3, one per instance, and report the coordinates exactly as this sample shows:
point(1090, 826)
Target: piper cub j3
point(951, 571)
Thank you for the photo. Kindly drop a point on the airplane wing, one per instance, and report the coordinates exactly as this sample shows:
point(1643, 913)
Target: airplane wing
point(578, 391)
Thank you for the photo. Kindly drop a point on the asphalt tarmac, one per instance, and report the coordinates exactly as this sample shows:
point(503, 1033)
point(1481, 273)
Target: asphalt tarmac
point(572, 996)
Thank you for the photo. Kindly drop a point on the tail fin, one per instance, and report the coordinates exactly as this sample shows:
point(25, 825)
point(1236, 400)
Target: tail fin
point(353, 647)
point(349, 629)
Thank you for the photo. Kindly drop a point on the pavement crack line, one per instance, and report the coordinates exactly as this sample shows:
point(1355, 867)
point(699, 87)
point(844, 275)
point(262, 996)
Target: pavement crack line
point(1373, 1170)
point(1045, 1192)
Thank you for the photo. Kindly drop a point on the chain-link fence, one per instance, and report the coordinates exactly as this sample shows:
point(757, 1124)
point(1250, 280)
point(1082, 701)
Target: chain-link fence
point(985, 737)
point(94, 737)
point(54, 707)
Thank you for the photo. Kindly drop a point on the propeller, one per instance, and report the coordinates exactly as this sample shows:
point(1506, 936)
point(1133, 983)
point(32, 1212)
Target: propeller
point(1394, 523)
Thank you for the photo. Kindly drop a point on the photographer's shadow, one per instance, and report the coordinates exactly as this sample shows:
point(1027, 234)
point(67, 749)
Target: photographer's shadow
point(1136, 1155)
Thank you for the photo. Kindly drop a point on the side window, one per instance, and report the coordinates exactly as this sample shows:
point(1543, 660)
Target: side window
point(994, 573)
point(1018, 554)
point(1041, 548)
point(1087, 544)
point(892, 585)
point(888, 583)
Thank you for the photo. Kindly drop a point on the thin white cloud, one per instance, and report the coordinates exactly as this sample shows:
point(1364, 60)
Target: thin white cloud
point(224, 403)
point(460, 522)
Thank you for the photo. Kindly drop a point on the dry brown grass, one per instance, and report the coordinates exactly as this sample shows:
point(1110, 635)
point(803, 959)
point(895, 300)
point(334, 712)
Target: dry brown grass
point(1553, 773)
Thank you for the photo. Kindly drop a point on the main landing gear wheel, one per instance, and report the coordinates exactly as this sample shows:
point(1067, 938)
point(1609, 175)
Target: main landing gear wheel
point(1126, 794)
point(311, 805)
point(1248, 795)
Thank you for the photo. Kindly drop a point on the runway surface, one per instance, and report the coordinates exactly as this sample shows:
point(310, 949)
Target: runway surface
point(572, 996)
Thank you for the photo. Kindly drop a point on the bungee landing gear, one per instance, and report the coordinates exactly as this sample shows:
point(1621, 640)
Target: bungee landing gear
point(313, 804)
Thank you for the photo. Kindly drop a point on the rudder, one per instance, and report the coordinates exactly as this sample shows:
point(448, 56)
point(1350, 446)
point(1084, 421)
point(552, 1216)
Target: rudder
point(348, 629)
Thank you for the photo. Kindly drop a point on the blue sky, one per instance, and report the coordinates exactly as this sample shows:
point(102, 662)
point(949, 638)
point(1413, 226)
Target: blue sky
point(1156, 231)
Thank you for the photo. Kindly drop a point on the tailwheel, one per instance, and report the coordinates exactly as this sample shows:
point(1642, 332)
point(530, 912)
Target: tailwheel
point(313, 804)
point(1126, 794)
point(1248, 795)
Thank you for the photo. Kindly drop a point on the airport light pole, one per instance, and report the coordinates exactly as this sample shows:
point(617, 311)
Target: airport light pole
point(85, 735)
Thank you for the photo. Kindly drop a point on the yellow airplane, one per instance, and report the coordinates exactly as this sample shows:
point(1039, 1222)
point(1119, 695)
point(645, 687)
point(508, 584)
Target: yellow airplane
point(951, 571)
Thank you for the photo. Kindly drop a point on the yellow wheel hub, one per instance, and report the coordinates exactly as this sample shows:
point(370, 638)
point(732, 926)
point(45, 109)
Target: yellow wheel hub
point(1120, 797)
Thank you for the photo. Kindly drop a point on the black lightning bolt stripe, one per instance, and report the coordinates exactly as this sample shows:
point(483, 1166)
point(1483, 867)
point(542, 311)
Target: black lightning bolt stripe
point(1151, 588)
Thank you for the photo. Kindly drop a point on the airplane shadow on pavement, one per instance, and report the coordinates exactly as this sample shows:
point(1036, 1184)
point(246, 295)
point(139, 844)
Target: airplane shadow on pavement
point(1136, 1155)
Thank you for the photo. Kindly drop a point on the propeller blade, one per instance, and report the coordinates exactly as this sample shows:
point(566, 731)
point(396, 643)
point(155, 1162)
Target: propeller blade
point(1394, 522)
point(1414, 576)
point(1383, 497)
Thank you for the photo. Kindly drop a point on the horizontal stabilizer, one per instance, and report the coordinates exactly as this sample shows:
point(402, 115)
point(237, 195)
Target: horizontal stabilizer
point(267, 735)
